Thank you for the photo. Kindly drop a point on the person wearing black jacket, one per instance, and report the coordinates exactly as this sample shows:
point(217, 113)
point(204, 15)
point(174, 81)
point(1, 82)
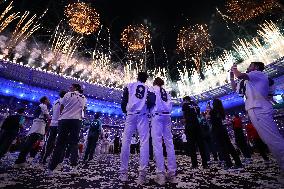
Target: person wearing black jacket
point(10, 130)
point(193, 131)
point(226, 148)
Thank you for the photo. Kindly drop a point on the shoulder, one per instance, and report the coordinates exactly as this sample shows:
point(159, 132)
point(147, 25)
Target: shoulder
point(57, 102)
point(67, 95)
point(257, 75)
point(42, 106)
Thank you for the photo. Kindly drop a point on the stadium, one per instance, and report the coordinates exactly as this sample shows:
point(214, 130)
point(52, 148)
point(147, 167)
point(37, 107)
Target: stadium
point(46, 49)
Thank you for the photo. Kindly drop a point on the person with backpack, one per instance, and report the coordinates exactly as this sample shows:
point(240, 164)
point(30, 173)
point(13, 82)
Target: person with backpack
point(36, 132)
point(93, 136)
point(10, 130)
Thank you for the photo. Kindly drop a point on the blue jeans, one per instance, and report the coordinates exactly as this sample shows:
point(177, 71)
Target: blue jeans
point(68, 134)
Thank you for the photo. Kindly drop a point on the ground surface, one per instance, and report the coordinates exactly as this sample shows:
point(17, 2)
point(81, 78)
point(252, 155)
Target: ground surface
point(102, 172)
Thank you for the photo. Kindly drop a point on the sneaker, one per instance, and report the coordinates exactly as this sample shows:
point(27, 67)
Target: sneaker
point(59, 167)
point(49, 173)
point(20, 165)
point(160, 179)
point(171, 177)
point(74, 171)
point(141, 179)
point(123, 177)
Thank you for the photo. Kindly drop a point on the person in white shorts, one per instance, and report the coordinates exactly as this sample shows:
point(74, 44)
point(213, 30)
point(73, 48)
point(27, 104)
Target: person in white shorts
point(260, 110)
point(161, 129)
point(134, 105)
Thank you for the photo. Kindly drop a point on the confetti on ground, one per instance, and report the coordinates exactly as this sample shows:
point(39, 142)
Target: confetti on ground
point(102, 172)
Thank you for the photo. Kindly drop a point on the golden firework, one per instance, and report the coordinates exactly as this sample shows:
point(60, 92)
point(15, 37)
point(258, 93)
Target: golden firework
point(82, 18)
point(24, 29)
point(4, 22)
point(193, 41)
point(243, 10)
point(136, 38)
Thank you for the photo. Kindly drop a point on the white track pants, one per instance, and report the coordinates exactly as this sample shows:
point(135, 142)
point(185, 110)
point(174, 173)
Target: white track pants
point(161, 128)
point(141, 123)
point(262, 119)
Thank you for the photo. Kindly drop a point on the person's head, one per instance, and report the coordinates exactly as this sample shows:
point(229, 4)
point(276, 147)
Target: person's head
point(142, 77)
point(62, 93)
point(76, 87)
point(218, 107)
point(237, 115)
point(158, 81)
point(97, 115)
point(21, 111)
point(44, 100)
point(186, 99)
point(256, 66)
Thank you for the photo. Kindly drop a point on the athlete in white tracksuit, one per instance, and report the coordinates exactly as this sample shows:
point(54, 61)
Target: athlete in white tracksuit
point(260, 110)
point(134, 105)
point(161, 131)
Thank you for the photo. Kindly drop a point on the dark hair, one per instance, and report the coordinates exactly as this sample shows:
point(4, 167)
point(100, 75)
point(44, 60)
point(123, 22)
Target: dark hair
point(43, 99)
point(260, 65)
point(21, 110)
point(77, 87)
point(237, 115)
point(187, 98)
point(97, 115)
point(142, 76)
point(158, 81)
point(62, 93)
point(218, 107)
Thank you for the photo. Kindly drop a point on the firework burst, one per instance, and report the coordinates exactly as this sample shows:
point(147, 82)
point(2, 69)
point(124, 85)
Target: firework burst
point(82, 18)
point(136, 38)
point(243, 10)
point(193, 42)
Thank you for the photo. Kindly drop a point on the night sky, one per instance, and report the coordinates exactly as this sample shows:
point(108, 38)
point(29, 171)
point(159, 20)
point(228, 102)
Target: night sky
point(163, 17)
